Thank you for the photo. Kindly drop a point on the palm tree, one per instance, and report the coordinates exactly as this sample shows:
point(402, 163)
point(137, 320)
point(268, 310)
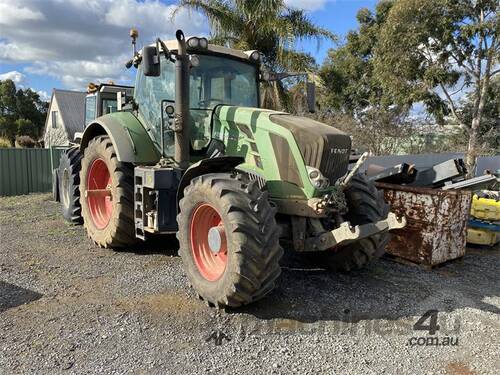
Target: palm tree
point(268, 26)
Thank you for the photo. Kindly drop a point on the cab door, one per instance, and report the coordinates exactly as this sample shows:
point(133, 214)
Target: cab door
point(150, 95)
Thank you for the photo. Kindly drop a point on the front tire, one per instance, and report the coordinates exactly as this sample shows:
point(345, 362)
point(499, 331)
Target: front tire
point(365, 205)
point(107, 195)
point(229, 239)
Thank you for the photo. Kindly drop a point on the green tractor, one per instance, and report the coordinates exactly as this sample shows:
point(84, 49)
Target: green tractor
point(192, 153)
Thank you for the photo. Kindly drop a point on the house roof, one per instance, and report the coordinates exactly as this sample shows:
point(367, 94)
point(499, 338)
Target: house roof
point(72, 110)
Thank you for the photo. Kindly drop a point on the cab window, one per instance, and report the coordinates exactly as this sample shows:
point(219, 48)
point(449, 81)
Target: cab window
point(109, 106)
point(90, 109)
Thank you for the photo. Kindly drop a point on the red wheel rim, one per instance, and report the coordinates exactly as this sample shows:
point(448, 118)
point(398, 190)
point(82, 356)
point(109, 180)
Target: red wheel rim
point(98, 194)
point(211, 262)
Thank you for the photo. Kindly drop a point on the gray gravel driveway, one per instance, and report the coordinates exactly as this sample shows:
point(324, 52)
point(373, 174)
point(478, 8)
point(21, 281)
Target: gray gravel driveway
point(69, 307)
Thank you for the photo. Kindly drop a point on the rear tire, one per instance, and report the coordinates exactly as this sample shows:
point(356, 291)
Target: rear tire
point(108, 219)
point(69, 185)
point(55, 186)
point(247, 263)
point(366, 205)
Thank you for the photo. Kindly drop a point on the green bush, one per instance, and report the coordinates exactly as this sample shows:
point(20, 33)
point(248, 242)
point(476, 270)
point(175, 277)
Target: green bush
point(4, 143)
point(26, 127)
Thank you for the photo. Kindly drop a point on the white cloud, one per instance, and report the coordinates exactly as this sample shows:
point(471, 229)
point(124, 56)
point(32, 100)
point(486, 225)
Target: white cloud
point(153, 18)
point(78, 41)
point(17, 77)
point(100, 70)
point(310, 5)
point(43, 95)
point(14, 52)
point(10, 14)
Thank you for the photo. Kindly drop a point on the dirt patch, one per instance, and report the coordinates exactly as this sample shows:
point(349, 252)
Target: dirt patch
point(458, 368)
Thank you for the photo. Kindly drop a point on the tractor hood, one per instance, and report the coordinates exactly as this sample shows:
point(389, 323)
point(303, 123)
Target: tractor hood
point(279, 147)
point(322, 146)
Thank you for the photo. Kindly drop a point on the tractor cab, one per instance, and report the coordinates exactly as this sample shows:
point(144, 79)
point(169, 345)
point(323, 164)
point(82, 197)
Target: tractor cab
point(104, 98)
point(217, 76)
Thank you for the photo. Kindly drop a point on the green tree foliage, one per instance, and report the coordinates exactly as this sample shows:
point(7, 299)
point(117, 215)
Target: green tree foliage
point(7, 98)
point(26, 127)
point(22, 112)
point(8, 130)
point(351, 90)
point(268, 26)
point(32, 108)
point(427, 48)
point(265, 25)
point(347, 74)
point(489, 130)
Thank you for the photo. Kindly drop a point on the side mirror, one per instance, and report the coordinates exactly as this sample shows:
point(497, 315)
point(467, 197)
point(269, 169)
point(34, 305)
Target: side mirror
point(311, 96)
point(150, 61)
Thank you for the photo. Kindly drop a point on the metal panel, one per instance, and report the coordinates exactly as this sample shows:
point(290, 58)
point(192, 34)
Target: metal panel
point(423, 161)
point(14, 177)
point(25, 170)
point(436, 223)
point(474, 183)
point(399, 174)
point(439, 174)
point(35, 170)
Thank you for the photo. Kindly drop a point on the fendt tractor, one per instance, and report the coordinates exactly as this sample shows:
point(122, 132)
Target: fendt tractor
point(191, 152)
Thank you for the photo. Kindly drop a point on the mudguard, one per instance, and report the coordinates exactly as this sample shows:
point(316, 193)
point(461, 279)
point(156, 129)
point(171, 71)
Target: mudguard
point(213, 165)
point(130, 139)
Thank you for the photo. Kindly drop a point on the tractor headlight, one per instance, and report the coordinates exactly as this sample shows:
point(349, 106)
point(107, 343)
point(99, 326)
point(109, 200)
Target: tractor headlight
point(204, 43)
point(253, 55)
point(195, 42)
point(317, 179)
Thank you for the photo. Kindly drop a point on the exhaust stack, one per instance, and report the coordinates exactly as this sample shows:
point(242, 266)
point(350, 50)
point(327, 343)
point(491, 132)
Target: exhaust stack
point(181, 103)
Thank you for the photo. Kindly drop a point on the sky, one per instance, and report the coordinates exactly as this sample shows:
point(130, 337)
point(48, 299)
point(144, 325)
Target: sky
point(46, 44)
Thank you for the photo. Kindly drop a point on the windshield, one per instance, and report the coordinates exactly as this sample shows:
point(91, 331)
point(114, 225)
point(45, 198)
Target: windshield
point(218, 80)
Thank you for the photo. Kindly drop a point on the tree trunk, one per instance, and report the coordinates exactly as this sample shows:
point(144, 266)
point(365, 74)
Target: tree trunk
point(471, 155)
point(12, 142)
point(472, 150)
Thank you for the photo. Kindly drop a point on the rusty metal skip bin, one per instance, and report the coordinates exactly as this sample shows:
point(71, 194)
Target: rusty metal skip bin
point(436, 229)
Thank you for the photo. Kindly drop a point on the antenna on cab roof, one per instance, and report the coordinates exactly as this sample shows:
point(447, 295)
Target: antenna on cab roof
point(134, 34)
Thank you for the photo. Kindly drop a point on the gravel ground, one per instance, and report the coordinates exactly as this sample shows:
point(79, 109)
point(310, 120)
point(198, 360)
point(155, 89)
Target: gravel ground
point(67, 306)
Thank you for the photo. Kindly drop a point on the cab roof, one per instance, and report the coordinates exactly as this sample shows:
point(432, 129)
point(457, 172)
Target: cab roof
point(216, 49)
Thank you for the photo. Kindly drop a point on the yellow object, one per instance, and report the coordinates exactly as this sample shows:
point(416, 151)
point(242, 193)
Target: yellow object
point(482, 236)
point(485, 209)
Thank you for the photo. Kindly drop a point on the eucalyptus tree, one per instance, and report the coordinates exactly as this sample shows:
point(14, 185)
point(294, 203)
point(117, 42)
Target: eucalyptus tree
point(435, 51)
